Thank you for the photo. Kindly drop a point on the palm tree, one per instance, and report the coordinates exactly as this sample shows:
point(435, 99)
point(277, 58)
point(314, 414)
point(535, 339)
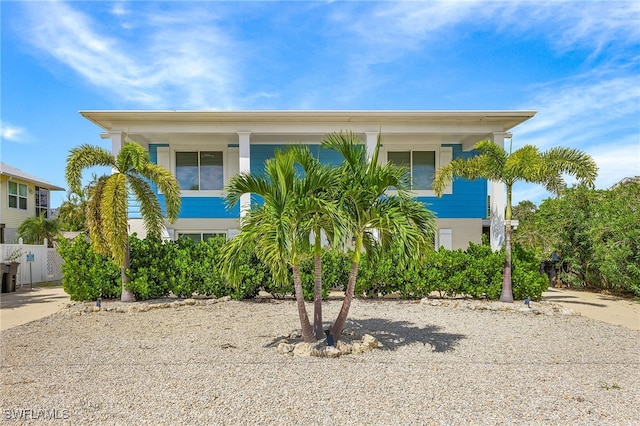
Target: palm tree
point(279, 228)
point(373, 215)
point(323, 216)
point(108, 199)
point(526, 164)
point(35, 230)
point(72, 211)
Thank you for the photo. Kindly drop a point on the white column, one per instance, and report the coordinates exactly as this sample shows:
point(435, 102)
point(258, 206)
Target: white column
point(117, 140)
point(244, 140)
point(372, 141)
point(498, 196)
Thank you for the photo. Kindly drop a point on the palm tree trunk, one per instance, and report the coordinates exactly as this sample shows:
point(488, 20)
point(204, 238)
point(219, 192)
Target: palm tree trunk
point(338, 326)
point(507, 292)
point(317, 297)
point(307, 330)
point(127, 296)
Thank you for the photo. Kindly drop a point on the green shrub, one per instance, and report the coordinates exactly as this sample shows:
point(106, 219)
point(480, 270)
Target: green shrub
point(150, 260)
point(526, 279)
point(87, 275)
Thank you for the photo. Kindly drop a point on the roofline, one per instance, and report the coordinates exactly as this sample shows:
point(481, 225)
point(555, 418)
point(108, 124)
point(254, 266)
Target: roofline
point(104, 118)
point(14, 172)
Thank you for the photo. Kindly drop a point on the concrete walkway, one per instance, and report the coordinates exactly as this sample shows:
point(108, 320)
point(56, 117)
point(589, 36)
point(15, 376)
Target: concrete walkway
point(26, 305)
point(603, 307)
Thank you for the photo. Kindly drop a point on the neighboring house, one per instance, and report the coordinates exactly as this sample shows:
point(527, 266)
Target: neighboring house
point(203, 149)
point(21, 196)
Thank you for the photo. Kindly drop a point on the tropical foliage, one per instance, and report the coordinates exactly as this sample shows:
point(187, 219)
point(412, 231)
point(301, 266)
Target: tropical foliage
point(184, 268)
point(526, 164)
point(373, 217)
point(595, 232)
point(296, 202)
point(302, 200)
point(107, 208)
point(72, 214)
point(34, 230)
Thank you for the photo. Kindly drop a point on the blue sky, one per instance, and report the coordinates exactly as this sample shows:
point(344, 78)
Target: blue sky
point(576, 63)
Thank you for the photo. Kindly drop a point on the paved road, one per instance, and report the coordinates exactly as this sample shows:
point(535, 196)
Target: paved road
point(26, 305)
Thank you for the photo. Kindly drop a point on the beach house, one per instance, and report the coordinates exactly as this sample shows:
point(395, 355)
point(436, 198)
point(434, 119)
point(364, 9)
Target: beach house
point(21, 196)
point(203, 149)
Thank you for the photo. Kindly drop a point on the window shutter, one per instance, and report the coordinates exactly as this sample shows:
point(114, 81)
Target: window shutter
point(164, 159)
point(445, 238)
point(446, 156)
point(233, 163)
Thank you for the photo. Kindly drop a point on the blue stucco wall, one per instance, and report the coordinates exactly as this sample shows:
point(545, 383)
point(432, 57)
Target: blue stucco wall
point(469, 198)
point(197, 207)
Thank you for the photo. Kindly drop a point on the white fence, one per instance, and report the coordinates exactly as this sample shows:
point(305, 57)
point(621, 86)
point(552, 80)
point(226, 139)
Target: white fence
point(45, 265)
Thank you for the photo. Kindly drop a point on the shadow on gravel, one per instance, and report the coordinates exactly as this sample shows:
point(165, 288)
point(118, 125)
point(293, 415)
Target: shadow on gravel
point(394, 334)
point(566, 299)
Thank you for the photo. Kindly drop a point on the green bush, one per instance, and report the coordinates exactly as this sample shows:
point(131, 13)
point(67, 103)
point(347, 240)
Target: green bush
point(185, 268)
point(148, 266)
point(526, 279)
point(87, 275)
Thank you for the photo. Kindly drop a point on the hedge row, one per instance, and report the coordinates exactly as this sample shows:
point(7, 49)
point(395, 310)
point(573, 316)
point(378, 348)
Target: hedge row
point(184, 268)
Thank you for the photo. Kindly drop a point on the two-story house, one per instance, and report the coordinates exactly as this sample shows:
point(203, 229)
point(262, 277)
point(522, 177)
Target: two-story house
point(21, 196)
point(203, 149)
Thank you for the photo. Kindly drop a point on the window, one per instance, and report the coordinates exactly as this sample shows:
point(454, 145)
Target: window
point(17, 195)
point(42, 202)
point(200, 170)
point(202, 236)
point(421, 164)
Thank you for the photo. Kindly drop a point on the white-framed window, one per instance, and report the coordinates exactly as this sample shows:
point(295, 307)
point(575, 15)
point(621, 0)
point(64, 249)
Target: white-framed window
point(42, 201)
point(421, 166)
point(202, 236)
point(199, 170)
point(422, 163)
point(17, 195)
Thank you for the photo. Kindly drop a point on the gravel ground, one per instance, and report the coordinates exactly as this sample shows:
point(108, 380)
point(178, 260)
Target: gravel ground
point(442, 363)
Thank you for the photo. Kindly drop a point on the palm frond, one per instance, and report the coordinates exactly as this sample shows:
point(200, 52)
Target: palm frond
point(83, 157)
point(349, 146)
point(132, 156)
point(150, 209)
point(524, 164)
point(167, 184)
point(114, 223)
point(573, 162)
point(95, 216)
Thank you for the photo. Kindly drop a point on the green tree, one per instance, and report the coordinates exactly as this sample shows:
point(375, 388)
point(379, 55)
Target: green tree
point(373, 216)
point(526, 164)
point(596, 232)
point(72, 212)
point(34, 230)
point(279, 228)
point(107, 209)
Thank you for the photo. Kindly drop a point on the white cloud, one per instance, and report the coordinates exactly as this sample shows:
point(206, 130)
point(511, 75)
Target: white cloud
point(581, 111)
point(181, 62)
point(391, 29)
point(12, 133)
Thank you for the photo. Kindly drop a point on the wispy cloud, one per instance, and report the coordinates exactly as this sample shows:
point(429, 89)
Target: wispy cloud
point(178, 60)
point(13, 133)
point(581, 111)
point(390, 29)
